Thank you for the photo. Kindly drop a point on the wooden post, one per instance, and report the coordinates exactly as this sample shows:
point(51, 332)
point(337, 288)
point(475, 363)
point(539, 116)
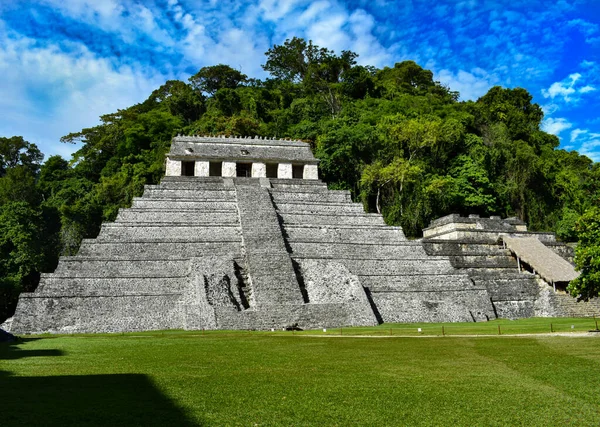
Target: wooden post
point(499, 333)
point(519, 264)
point(554, 286)
point(443, 331)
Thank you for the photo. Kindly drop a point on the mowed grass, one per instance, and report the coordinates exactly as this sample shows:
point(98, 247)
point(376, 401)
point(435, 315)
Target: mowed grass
point(495, 327)
point(256, 378)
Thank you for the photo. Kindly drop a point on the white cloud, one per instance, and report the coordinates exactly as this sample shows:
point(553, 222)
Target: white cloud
point(61, 93)
point(555, 126)
point(575, 133)
point(277, 9)
point(568, 90)
point(549, 108)
point(470, 84)
point(590, 146)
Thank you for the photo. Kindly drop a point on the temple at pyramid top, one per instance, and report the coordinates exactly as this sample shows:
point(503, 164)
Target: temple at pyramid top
point(250, 157)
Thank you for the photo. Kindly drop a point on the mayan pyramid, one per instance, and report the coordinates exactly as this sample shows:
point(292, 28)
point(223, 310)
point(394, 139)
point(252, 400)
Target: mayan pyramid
point(241, 234)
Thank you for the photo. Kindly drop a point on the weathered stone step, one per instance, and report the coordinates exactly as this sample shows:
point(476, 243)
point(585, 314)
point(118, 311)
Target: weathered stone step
point(376, 267)
point(191, 185)
point(181, 216)
point(192, 194)
point(451, 248)
point(483, 261)
point(399, 250)
point(345, 234)
point(501, 289)
point(124, 232)
point(331, 196)
point(300, 189)
point(192, 179)
point(332, 219)
point(298, 183)
point(203, 205)
point(434, 306)
point(113, 286)
point(98, 314)
point(318, 208)
point(303, 315)
point(420, 282)
point(157, 249)
point(95, 267)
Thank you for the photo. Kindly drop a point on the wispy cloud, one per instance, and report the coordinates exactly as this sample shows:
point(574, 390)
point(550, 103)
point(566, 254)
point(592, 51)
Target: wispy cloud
point(568, 90)
point(556, 126)
point(590, 146)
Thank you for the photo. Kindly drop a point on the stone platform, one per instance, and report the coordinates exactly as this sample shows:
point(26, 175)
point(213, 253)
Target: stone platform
point(247, 253)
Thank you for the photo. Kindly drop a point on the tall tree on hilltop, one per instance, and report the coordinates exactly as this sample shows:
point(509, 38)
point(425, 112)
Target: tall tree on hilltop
point(15, 151)
point(211, 79)
point(319, 70)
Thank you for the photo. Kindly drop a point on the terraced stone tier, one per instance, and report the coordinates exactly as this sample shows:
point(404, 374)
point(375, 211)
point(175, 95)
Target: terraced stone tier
point(197, 184)
point(159, 249)
point(333, 219)
point(297, 183)
point(168, 204)
point(508, 286)
point(139, 216)
point(457, 248)
point(52, 285)
point(208, 233)
point(419, 283)
point(569, 306)
point(189, 193)
point(93, 267)
point(394, 267)
point(331, 196)
point(305, 316)
point(71, 314)
point(483, 260)
point(344, 234)
point(319, 208)
point(433, 306)
point(337, 250)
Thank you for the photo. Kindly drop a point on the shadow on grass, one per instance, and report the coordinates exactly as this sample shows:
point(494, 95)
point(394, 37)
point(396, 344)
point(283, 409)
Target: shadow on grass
point(82, 400)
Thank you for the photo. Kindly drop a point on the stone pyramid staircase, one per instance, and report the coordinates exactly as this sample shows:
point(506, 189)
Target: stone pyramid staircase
point(257, 253)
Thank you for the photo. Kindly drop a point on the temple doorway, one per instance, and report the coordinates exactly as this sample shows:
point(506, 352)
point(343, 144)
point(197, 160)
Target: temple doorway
point(243, 170)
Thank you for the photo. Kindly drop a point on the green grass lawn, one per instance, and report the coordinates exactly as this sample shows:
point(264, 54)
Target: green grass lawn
point(262, 378)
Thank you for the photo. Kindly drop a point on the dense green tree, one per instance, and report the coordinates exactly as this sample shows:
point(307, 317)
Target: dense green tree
point(587, 256)
point(211, 79)
point(179, 99)
point(15, 151)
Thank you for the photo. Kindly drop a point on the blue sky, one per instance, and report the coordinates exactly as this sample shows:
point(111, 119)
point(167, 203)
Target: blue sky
point(63, 63)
